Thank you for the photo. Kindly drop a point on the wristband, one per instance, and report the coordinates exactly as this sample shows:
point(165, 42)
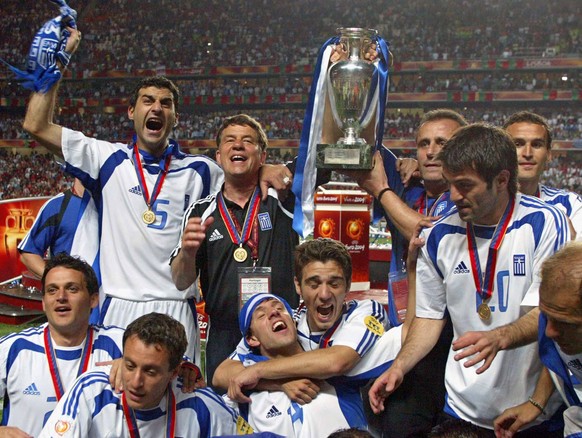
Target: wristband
point(387, 189)
point(64, 58)
point(537, 405)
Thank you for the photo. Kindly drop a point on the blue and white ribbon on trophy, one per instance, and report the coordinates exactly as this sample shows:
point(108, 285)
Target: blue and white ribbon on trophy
point(48, 47)
point(305, 171)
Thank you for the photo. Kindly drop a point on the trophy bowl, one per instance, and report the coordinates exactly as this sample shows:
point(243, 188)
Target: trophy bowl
point(353, 96)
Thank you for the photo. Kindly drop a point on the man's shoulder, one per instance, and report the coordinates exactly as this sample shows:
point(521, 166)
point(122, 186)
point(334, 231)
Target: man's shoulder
point(108, 333)
point(560, 196)
point(202, 396)
point(530, 204)
point(371, 311)
point(31, 334)
point(201, 206)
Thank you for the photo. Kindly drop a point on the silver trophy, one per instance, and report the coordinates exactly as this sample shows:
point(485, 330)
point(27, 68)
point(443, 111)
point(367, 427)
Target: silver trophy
point(353, 97)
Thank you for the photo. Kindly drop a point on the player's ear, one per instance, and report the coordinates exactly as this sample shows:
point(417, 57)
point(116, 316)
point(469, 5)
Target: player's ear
point(253, 341)
point(297, 286)
point(503, 178)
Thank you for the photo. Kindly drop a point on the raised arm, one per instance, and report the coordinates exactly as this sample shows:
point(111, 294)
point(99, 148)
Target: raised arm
point(38, 120)
point(33, 262)
point(375, 182)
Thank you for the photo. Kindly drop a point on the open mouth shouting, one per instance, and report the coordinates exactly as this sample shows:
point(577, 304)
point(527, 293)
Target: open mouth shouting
point(325, 313)
point(154, 124)
point(278, 326)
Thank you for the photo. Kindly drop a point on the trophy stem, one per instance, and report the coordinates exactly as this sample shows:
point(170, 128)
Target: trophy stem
point(351, 136)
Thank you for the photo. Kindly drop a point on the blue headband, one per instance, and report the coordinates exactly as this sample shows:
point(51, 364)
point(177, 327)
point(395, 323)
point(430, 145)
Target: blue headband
point(246, 313)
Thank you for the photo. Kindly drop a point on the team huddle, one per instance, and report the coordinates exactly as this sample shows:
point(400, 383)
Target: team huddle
point(493, 332)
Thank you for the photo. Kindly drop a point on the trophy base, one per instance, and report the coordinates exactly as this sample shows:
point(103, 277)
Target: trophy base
point(344, 156)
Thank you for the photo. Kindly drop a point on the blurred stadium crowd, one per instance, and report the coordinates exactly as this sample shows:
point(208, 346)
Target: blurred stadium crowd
point(123, 40)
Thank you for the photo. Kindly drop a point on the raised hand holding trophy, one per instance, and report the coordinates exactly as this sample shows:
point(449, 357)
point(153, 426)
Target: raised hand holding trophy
point(353, 94)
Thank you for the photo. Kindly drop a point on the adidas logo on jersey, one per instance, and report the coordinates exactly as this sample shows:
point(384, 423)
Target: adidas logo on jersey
point(136, 190)
point(576, 364)
point(273, 412)
point(31, 390)
point(215, 236)
point(461, 269)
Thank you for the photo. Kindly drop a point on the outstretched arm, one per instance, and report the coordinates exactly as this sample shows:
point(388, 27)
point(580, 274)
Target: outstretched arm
point(484, 345)
point(421, 338)
point(38, 120)
point(513, 419)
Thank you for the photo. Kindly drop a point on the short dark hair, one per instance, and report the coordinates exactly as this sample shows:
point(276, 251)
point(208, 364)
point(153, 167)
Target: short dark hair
point(76, 263)
point(352, 432)
point(440, 114)
point(457, 428)
point(323, 250)
point(533, 118)
point(160, 329)
point(485, 149)
point(158, 82)
point(244, 120)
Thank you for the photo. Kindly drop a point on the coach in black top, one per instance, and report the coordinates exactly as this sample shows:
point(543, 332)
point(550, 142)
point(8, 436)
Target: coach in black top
point(230, 232)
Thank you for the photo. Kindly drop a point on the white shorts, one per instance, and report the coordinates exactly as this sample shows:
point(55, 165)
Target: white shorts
point(118, 312)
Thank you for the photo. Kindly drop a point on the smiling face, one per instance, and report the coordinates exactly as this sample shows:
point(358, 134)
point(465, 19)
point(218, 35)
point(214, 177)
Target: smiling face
point(154, 117)
point(430, 139)
point(67, 304)
point(239, 152)
point(145, 373)
point(323, 288)
point(533, 152)
point(272, 330)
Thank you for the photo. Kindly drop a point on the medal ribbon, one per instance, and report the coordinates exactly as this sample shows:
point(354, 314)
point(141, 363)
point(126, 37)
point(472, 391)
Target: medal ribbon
point(423, 203)
point(170, 415)
point(52, 360)
point(484, 283)
point(326, 337)
point(141, 177)
point(233, 227)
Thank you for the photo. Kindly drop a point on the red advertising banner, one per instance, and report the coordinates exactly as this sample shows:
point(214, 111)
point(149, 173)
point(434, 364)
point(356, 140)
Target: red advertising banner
point(344, 215)
point(16, 218)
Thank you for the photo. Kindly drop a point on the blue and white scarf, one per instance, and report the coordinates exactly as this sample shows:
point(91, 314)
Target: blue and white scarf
point(47, 47)
point(305, 172)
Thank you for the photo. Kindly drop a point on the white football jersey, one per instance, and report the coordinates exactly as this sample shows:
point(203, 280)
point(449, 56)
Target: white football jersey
point(273, 411)
point(91, 409)
point(25, 378)
point(445, 284)
point(363, 326)
point(133, 254)
point(569, 202)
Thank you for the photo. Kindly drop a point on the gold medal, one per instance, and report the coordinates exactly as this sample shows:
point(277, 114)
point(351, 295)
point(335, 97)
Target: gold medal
point(484, 311)
point(240, 254)
point(149, 217)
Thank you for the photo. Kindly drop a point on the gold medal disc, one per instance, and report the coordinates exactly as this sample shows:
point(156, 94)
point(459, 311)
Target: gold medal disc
point(149, 217)
point(484, 312)
point(240, 254)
